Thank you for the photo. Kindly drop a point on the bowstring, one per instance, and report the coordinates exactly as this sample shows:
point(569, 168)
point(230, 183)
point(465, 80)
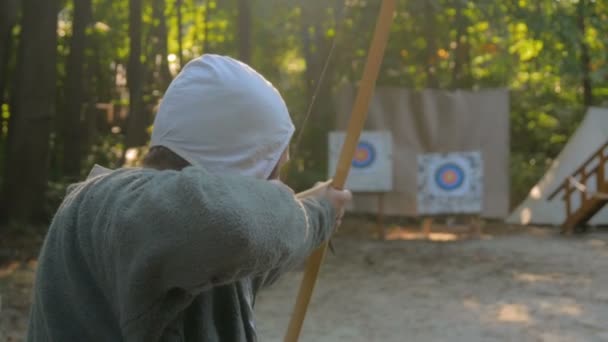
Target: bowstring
point(339, 26)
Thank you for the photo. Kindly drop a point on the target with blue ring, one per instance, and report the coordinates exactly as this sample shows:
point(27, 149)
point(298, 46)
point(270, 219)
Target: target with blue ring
point(365, 155)
point(449, 177)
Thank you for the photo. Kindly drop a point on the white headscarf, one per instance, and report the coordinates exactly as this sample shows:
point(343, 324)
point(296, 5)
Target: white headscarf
point(222, 115)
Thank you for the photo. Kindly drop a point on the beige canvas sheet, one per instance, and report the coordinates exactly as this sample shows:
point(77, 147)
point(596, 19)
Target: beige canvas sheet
point(436, 121)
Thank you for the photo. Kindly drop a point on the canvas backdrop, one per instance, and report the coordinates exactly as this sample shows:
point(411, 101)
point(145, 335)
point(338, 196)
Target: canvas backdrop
point(436, 121)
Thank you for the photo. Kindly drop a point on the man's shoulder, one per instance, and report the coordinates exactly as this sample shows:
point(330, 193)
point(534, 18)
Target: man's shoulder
point(105, 178)
point(100, 176)
point(99, 171)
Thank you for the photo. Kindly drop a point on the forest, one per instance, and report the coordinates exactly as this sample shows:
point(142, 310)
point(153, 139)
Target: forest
point(80, 80)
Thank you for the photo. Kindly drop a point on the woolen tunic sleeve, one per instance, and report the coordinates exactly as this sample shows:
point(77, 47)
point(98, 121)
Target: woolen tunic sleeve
point(167, 236)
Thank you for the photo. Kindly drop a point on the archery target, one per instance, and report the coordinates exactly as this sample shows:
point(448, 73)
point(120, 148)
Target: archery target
point(371, 167)
point(450, 183)
point(365, 155)
point(449, 177)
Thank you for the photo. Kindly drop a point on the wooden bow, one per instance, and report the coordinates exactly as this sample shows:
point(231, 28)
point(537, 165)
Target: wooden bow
point(355, 126)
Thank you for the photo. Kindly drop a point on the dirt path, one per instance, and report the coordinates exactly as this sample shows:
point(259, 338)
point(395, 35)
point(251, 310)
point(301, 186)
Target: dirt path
point(532, 286)
point(529, 285)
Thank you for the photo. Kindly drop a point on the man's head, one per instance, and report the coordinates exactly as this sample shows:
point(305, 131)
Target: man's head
point(222, 115)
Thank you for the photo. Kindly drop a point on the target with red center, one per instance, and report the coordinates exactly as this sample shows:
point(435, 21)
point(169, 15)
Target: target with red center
point(449, 177)
point(371, 164)
point(364, 155)
point(450, 183)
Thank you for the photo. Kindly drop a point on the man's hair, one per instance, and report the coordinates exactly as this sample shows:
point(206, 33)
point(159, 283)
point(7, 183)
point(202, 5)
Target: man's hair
point(162, 158)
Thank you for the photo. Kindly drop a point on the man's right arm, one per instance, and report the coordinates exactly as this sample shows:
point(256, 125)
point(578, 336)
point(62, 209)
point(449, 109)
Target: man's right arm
point(192, 230)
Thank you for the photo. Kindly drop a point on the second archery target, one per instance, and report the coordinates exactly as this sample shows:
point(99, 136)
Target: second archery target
point(449, 177)
point(372, 165)
point(450, 183)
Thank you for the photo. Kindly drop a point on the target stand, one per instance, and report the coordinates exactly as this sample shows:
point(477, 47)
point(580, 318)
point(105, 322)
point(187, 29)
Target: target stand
point(371, 169)
point(450, 185)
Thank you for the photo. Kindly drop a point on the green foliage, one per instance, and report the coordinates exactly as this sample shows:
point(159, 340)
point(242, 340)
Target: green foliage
point(108, 152)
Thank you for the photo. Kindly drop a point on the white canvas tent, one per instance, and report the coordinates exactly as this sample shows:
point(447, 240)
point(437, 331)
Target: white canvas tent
point(591, 134)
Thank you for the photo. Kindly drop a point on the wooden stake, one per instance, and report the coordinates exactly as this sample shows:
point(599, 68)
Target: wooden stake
point(380, 224)
point(355, 126)
point(476, 226)
point(427, 226)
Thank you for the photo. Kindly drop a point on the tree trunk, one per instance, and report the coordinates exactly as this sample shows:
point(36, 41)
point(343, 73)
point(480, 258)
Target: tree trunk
point(164, 75)
point(136, 127)
point(585, 55)
point(180, 38)
point(72, 128)
point(97, 71)
point(9, 10)
point(30, 125)
point(244, 31)
point(308, 55)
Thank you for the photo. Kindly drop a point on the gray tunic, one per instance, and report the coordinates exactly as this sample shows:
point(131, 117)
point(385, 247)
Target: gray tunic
point(146, 255)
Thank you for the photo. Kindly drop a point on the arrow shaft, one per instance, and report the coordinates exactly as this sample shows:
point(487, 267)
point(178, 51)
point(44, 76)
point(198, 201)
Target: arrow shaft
point(355, 127)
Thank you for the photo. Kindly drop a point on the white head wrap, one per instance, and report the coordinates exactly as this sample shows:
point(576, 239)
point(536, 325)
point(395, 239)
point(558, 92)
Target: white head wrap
point(222, 115)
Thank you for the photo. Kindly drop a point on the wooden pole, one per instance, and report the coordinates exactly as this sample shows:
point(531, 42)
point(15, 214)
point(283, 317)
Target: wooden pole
point(567, 229)
point(355, 126)
point(380, 223)
point(427, 227)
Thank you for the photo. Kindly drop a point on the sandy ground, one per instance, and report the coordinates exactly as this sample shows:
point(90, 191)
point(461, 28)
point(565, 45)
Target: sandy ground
point(530, 285)
point(516, 285)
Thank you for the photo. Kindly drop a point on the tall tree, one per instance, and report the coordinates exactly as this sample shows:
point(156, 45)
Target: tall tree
point(8, 19)
point(585, 56)
point(72, 140)
point(244, 30)
point(318, 78)
point(30, 124)
point(180, 34)
point(164, 75)
point(136, 127)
